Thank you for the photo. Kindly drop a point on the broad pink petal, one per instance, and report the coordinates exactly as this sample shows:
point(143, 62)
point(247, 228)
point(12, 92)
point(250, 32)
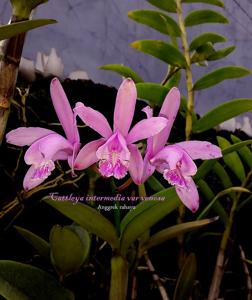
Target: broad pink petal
point(136, 164)
point(47, 148)
point(93, 119)
point(64, 111)
point(146, 128)
point(200, 150)
point(189, 195)
point(125, 106)
point(30, 183)
point(87, 155)
point(169, 110)
point(25, 136)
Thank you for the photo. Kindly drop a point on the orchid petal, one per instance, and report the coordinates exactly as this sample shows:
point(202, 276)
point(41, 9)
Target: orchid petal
point(47, 148)
point(200, 150)
point(64, 111)
point(87, 155)
point(188, 167)
point(135, 164)
point(125, 106)
point(30, 183)
point(93, 119)
point(146, 128)
point(25, 136)
point(169, 110)
point(189, 195)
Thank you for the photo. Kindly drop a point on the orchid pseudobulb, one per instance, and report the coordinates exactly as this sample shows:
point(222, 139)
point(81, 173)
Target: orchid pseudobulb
point(47, 146)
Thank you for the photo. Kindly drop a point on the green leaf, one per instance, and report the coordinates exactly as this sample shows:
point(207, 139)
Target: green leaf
point(161, 50)
point(244, 152)
point(70, 247)
point(10, 30)
point(219, 54)
point(222, 174)
point(19, 281)
point(222, 113)
point(219, 75)
point(157, 20)
point(212, 2)
point(232, 160)
point(41, 246)
point(206, 37)
point(23, 8)
point(174, 80)
point(238, 189)
point(173, 231)
point(139, 209)
point(152, 92)
point(186, 279)
point(208, 195)
point(208, 165)
point(168, 5)
point(123, 70)
point(88, 218)
point(204, 169)
point(155, 184)
point(202, 53)
point(203, 16)
point(236, 147)
point(138, 224)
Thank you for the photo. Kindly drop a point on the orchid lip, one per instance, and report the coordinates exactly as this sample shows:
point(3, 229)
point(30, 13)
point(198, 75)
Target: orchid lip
point(43, 170)
point(114, 157)
point(174, 177)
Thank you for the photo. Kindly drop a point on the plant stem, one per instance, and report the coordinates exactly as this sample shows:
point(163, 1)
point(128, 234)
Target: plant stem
point(219, 267)
point(141, 191)
point(156, 278)
point(190, 107)
point(119, 278)
point(220, 262)
point(189, 80)
point(247, 274)
point(11, 51)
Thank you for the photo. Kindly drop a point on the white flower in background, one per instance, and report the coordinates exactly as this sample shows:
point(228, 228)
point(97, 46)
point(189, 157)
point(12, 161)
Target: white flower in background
point(49, 64)
point(233, 124)
point(78, 74)
point(27, 69)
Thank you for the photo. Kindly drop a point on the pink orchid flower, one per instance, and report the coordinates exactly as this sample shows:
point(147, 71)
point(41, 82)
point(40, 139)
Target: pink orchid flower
point(47, 146)
point(115, 150)
point(175, 162)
